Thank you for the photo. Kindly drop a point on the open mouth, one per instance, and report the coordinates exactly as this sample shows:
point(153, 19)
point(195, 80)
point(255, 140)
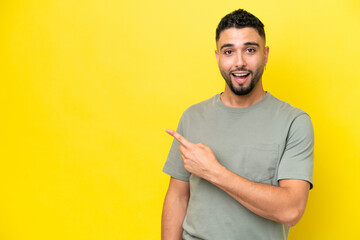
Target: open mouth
point(240, 77)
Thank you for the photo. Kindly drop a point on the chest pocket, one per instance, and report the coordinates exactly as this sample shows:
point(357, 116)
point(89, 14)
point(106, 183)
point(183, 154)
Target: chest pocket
point(257, 163)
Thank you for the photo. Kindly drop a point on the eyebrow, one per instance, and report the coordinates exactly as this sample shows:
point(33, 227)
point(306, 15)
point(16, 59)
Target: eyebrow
point(246, 44)
point(252, 43)
point(227, 45)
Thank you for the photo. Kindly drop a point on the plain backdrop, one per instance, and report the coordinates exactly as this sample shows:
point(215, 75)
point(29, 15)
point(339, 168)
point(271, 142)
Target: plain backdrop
point(89, 87)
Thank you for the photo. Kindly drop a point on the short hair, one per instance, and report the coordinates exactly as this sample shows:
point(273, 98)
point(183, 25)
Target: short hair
point(240, 19)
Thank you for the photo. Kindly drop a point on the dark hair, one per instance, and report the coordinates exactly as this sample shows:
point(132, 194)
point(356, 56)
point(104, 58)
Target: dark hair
point(240, 19)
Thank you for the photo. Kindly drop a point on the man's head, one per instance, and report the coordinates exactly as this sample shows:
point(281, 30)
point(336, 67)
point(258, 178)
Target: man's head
point(241, 52)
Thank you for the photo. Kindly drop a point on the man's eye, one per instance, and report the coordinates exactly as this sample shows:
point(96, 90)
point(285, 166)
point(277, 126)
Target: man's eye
point(227, 52)
point(251, 50)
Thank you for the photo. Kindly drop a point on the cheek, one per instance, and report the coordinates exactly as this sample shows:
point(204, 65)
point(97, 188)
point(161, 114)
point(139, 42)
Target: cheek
point(225, 64)
point(256, 62)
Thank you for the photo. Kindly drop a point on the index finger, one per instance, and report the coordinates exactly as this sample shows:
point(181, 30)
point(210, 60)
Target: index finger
point(179, 138)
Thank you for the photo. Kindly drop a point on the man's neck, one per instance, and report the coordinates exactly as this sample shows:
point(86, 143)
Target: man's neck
point(230, 99)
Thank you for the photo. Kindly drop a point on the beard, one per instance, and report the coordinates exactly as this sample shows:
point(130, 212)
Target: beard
point(243, 90)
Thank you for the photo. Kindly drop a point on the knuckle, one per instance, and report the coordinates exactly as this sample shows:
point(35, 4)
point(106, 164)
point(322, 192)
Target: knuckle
point(193, 147)
point(202, 145)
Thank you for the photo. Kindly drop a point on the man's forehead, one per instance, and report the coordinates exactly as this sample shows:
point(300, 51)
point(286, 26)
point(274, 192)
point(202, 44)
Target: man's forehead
point(240, 36)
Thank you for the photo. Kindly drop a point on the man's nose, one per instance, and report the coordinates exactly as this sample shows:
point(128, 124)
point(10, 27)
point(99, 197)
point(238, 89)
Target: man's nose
point(240, 61)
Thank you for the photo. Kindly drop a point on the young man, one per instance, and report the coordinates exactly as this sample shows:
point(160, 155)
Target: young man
point(241, 162)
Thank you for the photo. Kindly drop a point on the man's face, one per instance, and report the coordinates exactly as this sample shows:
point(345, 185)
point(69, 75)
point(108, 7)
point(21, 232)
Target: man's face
point(241, 55)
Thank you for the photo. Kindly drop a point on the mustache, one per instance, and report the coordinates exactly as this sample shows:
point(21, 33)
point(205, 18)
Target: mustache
point(242, 70)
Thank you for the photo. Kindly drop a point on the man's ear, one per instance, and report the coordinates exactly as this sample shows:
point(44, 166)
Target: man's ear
point(217, 56)
point(266, 54)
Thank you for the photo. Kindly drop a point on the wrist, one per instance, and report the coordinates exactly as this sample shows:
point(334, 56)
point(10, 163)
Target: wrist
point(216, 173)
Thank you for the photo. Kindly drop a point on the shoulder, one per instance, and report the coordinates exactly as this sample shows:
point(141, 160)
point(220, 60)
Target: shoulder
point(201, 108)
point(298, 122)
point(284, 109)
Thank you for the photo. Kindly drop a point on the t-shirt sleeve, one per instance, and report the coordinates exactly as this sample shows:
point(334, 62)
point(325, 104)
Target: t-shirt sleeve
point(298, 158)
point(174, 165)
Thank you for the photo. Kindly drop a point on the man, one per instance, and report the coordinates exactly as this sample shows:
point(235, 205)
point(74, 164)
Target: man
point(241, 162)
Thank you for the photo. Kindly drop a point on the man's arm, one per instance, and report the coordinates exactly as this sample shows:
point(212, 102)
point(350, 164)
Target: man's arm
point(174, 210)
point(284, 204)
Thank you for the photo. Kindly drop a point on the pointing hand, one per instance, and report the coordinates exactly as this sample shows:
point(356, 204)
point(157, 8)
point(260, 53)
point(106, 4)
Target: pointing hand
point(198, 158)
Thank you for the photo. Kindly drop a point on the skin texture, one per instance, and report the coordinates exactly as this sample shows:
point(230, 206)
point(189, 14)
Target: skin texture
point(238, 51)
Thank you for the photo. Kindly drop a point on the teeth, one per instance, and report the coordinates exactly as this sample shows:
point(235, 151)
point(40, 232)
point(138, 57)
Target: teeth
point(240, 75)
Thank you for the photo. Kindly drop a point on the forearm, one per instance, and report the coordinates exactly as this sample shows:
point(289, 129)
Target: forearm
point(280, 204)
point(172, 218)
point(174, 210)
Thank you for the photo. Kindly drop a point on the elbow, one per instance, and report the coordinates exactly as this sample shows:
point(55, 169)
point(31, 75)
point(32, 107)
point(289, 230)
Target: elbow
point(291, 217)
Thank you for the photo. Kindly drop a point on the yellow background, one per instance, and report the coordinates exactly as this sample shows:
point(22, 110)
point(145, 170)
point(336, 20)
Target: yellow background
point(88, 88)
